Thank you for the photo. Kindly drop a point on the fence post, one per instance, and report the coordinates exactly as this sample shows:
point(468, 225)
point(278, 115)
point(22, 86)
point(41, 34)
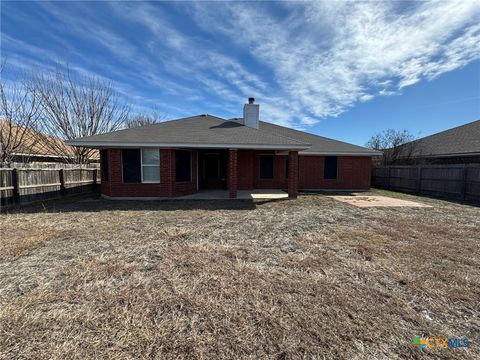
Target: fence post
point(464, 182)
point(16, 186)
point(388, 178)
point(419, 180)
point(61, 175)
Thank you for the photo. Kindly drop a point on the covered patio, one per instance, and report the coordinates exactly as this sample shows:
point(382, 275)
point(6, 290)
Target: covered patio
point(217, 194)
point(239, 168)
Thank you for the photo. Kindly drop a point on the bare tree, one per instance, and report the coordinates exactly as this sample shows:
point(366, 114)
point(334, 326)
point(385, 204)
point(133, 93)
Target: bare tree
point(144, 119)
point(19, 115)
point(75, 107)
point(394, 144)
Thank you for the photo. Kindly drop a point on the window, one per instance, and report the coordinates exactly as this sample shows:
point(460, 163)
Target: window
point(211, 166)
point(131, 163)
point(104, 164)
point(266, 166)
point(150, 165)
point(183, 165)
point(141, 165)
point(330, 169)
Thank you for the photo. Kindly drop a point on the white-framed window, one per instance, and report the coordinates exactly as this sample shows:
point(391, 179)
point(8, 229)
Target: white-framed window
point(150, 165)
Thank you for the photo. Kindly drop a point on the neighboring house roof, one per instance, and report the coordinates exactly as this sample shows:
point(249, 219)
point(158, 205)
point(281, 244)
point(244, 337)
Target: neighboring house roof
point(208, 131)
point(459, 141)
point(36, 144)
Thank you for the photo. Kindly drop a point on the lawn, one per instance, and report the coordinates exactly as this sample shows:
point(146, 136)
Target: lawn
point(313, 278)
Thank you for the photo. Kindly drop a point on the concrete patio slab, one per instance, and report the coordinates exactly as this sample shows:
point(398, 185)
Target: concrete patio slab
point(264, 194)
point(377, 201)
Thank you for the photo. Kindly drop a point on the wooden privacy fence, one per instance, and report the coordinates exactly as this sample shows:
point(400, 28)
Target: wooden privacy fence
point(460, 182)
point(20, 186)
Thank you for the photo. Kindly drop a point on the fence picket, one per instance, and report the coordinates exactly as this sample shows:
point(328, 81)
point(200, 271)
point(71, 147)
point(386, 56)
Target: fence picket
point(460, 182)
point(24, 185)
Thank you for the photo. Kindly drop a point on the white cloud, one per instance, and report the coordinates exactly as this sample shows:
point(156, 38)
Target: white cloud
point(366, 97)
point(329, 55)
point(305, 60)
point(308, 121)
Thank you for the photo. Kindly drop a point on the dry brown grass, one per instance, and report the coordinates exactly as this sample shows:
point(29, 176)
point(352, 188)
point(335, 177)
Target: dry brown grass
point(310, 278)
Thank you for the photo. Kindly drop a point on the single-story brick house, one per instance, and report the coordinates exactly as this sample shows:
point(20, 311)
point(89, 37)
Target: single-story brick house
point(181, 157)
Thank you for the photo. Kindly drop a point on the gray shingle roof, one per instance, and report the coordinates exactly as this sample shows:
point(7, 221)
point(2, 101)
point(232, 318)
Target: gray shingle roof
point(320, 145)
point(461, 140)
point(195, 131)
point(209, 131)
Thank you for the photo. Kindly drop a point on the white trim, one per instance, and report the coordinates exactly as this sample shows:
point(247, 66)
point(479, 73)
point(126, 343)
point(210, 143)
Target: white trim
point(151, 165)
point(334, 153)
point(194, 146)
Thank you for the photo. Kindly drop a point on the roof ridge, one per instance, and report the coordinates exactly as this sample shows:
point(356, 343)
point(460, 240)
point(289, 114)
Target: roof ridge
point(184, 118)
point(267, 132)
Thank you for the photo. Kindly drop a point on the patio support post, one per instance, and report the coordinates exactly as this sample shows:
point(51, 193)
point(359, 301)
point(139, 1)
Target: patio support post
point(292, 174)
point(232, 173)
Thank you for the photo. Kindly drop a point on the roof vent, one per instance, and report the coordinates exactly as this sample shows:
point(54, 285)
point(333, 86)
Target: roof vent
point(251, 113)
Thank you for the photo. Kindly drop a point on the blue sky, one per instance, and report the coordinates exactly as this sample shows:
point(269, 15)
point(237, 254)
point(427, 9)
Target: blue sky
point(339, 69)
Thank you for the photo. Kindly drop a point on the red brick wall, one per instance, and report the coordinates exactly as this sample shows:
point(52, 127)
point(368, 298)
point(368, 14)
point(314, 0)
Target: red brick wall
point(245, 171)
point(232, 180)
point(292, 174)
point(249, 171)
point(353, 173)
point(166, 188)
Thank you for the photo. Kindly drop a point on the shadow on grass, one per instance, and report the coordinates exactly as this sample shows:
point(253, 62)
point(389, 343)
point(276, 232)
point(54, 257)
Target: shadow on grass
point(95, 203)
point(432, 196)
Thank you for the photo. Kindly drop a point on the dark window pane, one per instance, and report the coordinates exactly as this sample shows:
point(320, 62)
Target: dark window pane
point(212, 166)
point(104, 164)
point(183, 165)
point(131, 166)
point(330, 169)
point(266, 166)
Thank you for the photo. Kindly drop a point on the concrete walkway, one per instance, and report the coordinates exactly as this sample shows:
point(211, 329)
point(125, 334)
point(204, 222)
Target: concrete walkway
point(241, 194)
point(377, 201)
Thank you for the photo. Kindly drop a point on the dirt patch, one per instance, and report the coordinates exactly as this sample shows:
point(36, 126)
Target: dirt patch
point(378, 201)
point(311, 278)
